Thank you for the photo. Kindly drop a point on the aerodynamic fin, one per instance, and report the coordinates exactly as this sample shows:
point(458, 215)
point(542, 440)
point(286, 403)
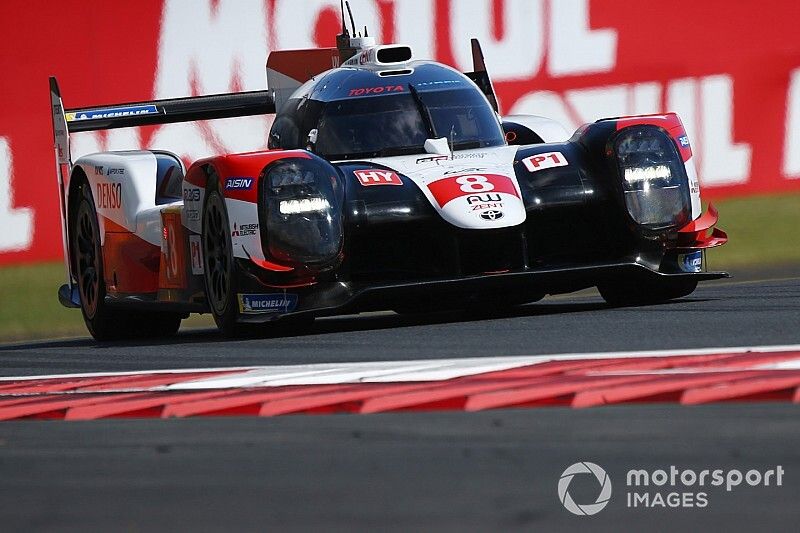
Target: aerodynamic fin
point(481, 76)
point(63, 166)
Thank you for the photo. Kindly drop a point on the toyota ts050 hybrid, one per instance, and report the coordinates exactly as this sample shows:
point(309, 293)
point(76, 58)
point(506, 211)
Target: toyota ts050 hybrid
point(389, 183)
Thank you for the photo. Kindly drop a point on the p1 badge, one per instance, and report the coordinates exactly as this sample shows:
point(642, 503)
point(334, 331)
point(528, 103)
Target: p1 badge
point(252, 304)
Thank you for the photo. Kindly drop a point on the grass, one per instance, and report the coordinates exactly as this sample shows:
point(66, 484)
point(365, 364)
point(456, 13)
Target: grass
point(29, 307)
point(764, 232)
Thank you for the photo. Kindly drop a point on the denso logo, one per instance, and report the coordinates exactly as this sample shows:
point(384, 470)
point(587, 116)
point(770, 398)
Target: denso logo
point(109, 195)
point(241, 184)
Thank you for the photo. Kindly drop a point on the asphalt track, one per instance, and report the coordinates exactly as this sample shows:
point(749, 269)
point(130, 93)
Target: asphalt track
point(718, 314)
point(494, 470)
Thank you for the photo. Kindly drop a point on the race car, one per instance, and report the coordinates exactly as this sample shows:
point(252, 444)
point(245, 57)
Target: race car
point(389, 183)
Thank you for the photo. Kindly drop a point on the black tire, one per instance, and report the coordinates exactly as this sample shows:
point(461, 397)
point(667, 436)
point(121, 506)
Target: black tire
point(639, 292)
point(220, 282)
point(103, 323)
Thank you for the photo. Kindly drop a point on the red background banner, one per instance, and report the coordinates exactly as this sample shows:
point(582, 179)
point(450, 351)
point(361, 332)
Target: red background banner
point(730, 69)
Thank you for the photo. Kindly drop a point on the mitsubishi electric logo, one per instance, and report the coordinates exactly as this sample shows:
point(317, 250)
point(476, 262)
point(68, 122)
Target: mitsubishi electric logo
point(586, 509)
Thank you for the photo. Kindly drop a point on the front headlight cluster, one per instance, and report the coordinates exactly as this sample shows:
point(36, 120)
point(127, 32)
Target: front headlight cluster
point(300, 204)
point(654, 181)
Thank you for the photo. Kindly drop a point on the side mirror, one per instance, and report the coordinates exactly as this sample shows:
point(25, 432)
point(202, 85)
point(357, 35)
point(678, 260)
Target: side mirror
point(274, 140)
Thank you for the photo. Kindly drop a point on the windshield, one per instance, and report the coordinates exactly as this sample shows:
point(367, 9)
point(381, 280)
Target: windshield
point(400, 124)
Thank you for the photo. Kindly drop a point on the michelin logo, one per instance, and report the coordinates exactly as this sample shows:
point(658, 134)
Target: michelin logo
point(114, 112)
point(267, 303)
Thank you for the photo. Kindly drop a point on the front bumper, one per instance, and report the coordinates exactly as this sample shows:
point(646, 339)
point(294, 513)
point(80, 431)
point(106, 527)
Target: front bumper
point(336, 298)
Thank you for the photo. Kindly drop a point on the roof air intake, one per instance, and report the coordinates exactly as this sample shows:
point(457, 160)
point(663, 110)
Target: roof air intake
point(394, 54)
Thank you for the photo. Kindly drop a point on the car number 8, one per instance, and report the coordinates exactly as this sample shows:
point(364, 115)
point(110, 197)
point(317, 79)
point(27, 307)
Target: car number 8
point(474, 183)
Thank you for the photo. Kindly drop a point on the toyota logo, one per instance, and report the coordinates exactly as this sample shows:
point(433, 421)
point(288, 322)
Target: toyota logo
point(492, 214)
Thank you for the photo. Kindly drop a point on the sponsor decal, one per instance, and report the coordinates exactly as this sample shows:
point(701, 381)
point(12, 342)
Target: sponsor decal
point(114, 112)
point(479, 202)
point(196, 253)
point(364, 91)
point(433, 158)
point(465, 171)
point(539, 162)
point(491, 215)
point(99, 170)
point(377, 177)
point(109, 195)
point(471, 185)
point(471, 155)
point(115, 172)
point(267, 303)
point(241, 184)
point(243, 230)
point(193, 215)
point(436, 83)
point(481, 207)
point(692, 262)
point(191, 195)
point(684, 141)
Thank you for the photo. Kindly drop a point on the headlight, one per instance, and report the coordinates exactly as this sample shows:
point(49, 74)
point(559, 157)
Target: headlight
point(300, 207)
point(654, 180)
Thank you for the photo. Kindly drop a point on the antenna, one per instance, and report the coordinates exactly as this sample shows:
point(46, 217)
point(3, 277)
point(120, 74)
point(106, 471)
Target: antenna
point(344, 26)
point(365, 32)
point(353, 24)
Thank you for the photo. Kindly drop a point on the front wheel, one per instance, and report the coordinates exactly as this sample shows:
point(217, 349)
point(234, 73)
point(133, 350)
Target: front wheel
point(103, 323)
point(622, 293)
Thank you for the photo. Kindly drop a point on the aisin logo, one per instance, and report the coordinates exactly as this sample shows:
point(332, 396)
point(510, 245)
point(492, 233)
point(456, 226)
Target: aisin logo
point(589, 508)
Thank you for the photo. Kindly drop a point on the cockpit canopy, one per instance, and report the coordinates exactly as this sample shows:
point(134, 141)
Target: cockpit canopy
point(361, 114)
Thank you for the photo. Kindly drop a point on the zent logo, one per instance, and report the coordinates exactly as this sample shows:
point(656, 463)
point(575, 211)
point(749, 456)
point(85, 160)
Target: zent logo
point(377, 177)
point(587, 509)
point(539, 162)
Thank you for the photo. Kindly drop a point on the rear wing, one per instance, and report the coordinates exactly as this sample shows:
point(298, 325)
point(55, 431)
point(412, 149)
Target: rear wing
point(104, 117)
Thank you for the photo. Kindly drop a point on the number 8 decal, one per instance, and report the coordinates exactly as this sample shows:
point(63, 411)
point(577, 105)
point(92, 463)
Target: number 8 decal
point(445, 190)
point(474, 183)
